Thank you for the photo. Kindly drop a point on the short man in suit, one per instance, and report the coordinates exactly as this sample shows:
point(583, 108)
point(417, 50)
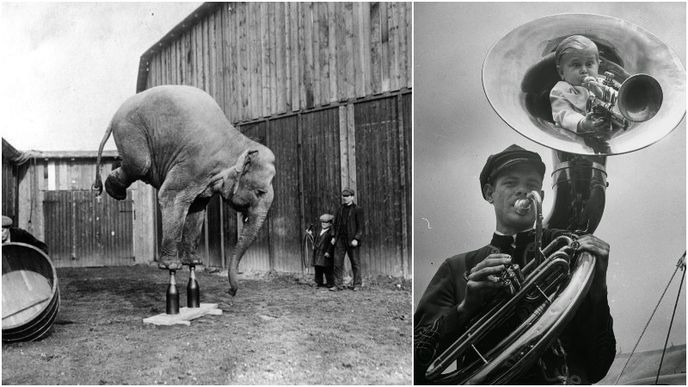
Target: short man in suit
point(323, 251)
point(348, 229)
point(14, 234)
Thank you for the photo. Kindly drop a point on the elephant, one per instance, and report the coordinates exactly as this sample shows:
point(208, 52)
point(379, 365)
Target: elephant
point(177, 139)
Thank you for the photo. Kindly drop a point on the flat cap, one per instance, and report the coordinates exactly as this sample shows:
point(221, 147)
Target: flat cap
point(6, 221)
point(326, 218)
point(347, 192)
point(507, 158)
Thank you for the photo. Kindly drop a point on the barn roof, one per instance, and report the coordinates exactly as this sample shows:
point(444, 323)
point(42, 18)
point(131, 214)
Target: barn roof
point(18, 157)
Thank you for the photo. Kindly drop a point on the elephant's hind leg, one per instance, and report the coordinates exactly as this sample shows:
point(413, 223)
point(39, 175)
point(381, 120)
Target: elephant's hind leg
point(117, 183)
point(136, 160)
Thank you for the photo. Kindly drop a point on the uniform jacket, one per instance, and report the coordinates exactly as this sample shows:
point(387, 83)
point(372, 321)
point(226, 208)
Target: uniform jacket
point(588, 339)
point(354, 223)
point(21, 236)
point(322, 244)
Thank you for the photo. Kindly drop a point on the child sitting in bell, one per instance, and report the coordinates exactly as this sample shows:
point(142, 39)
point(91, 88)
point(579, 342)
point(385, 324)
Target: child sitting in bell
point(577, 60)
point(323, 251)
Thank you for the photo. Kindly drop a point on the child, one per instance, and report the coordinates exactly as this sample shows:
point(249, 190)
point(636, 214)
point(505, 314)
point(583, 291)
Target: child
point(577, 62)
point(323, 250)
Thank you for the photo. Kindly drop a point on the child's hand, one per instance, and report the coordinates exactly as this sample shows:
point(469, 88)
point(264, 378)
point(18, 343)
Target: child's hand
point(594, 87)
point(592, 123)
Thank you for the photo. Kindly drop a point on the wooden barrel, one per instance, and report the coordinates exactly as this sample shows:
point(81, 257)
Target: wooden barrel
point(30, 294)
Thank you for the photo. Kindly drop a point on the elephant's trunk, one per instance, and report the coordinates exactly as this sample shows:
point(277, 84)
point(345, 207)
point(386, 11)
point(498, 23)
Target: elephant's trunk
point(256, 217)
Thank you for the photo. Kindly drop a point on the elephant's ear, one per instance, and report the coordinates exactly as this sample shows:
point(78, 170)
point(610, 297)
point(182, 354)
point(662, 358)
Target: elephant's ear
point(242, 166)
point(243, 163)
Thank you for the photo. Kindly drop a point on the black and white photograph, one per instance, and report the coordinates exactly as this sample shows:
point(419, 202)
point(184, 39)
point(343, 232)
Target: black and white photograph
point(549, 193)
point(207, 193)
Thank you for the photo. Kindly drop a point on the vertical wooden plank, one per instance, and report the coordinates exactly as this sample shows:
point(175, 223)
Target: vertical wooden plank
point(282, 83)
point(266, 59)
point(358, 54)
point(244, 74)
point(332, 22)
point(340, 50)
point(385, 52)
point(401, 27)
point(343, 146)
point(178, 45)
point(324, 54)
point(348, 63)
point(375, 49)
point(254, 58)
point(183, 64)
point(198, 51)
point(227, 62)
point(409, 48)
point(309, 48)
point(351, 149)
point(163, 66)
point(393, 26)
point(317, 57)
point(194, 55)
point(206, 54)
point(212, 58)
point(295, 41)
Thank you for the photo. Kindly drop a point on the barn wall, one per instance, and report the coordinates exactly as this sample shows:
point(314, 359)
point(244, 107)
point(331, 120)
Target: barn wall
point(262, 59)
point(312, 81)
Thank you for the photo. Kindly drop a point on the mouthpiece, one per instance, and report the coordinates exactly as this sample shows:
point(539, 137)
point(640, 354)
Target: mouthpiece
point(522, 206)
point(589, 79)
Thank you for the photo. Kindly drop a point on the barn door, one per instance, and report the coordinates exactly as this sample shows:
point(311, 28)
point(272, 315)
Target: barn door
point(82, 230)
point(383, 184)
point(285, 215)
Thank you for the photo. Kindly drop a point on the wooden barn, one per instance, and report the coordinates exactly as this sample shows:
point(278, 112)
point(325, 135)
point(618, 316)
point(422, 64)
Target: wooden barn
point(327, 87)
point(49, 194)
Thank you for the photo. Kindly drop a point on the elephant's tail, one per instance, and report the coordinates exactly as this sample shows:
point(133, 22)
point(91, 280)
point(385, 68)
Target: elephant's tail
point(98, 184)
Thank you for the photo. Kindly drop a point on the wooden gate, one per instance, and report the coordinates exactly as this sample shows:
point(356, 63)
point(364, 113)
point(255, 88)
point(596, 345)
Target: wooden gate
point(82, 230)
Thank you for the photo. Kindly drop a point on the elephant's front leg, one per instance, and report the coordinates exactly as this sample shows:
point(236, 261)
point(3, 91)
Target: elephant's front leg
point(192, 232)
point(173, 209)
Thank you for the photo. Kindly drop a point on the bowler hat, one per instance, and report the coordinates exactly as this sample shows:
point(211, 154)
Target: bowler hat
point(326, 218)
point(507, 158)
point(6, 221)
point(347, 192)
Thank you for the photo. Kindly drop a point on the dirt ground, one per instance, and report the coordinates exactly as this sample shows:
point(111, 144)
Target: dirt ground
point(279, 329)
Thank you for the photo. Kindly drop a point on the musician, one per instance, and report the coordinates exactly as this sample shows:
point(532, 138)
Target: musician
point(465, 283)
point(577, 59)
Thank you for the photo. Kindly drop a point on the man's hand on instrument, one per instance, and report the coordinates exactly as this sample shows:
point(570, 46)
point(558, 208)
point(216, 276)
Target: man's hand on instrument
point(600, 249)
point(483, 282)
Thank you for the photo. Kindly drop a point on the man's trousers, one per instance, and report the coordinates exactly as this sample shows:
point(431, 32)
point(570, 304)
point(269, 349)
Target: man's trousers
point(341, 248)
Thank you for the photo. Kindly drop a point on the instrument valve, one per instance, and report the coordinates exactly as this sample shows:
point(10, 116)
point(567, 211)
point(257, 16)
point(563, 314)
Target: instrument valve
point(512, 278)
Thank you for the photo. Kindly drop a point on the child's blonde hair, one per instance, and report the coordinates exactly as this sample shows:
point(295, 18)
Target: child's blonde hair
point(572, 43)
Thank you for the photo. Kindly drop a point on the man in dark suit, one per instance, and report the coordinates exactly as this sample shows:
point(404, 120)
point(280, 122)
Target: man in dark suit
point(14, 234)
point(323, 251)
point(348, 229)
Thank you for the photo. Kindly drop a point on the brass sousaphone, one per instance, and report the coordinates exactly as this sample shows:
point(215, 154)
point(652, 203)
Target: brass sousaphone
point(518, 73)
